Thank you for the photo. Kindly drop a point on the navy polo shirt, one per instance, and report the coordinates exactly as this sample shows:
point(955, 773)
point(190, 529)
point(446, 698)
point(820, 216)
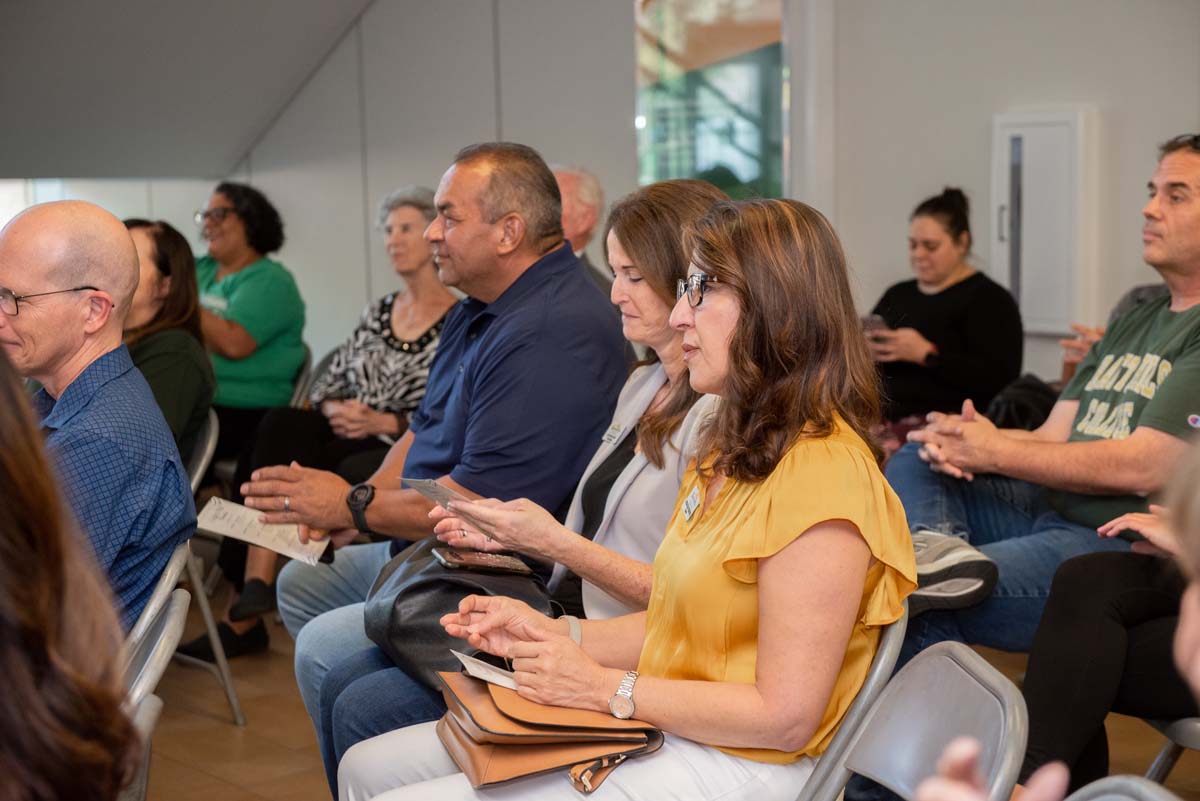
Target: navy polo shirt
point(521, 389)
point(120, 474)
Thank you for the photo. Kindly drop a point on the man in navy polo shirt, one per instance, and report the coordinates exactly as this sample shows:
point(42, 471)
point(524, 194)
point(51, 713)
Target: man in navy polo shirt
point(68, 272)
point(524, 382)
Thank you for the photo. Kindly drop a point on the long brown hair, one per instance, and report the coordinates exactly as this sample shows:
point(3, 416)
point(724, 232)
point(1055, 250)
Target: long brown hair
point(173, 258)
point(649, 225)
point(63, 733)
point(797, 357)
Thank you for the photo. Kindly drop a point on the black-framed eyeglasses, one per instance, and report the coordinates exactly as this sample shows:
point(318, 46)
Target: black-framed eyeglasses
point(10, 303)
point(217, 215)
point(694, 287)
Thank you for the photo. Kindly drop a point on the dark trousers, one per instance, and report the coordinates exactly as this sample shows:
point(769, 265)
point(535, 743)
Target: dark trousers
point(285, 435)
point(1104, 644)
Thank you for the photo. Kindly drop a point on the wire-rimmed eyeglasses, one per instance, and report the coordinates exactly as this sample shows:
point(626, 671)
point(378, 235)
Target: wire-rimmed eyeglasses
point(10, 302)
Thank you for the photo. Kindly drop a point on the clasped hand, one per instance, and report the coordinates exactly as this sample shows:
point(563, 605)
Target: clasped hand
point(957, 445)
point(353, 419)
point(548, 667)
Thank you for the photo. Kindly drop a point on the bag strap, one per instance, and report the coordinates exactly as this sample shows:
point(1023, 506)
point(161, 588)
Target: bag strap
point(587, 776)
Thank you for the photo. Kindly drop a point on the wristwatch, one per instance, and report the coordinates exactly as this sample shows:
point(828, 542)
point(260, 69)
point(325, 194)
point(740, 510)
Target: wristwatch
point(574, 628)
point(621, 704)
point(358, 500)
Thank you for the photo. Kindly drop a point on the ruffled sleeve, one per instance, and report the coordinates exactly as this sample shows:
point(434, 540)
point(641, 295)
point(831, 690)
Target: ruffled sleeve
point(832, 479)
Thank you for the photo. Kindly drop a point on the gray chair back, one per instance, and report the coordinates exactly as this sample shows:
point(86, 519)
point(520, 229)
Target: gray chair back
point(159, 596)
point(1182, 733)
point(946, 691)
point(830, 774)
point(145, 719)
point(147, 660)
point(202, 452)
point(1123, 788)
point(303, 379)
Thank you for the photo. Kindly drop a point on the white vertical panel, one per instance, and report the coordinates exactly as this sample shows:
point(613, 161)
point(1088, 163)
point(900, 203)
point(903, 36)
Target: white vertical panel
point(122, 196)
point(568, 87)
point(176, 201)
point(309, 165)
point(429, 83)
point(14, 197)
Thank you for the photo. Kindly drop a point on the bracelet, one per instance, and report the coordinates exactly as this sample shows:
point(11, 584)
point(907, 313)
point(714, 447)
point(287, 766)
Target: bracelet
point(574, 628)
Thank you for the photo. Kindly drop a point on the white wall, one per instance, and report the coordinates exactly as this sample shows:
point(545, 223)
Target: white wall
point(410, 85)
point(917, 84)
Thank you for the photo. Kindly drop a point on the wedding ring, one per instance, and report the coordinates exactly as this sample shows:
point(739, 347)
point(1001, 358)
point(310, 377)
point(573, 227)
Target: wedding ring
point(287, 503)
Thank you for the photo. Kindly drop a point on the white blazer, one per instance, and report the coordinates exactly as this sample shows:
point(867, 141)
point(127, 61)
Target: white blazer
point(642, 498)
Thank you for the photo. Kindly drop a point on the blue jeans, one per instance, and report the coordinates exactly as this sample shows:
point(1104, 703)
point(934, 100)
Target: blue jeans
point(1009, 521)
point(351, 689)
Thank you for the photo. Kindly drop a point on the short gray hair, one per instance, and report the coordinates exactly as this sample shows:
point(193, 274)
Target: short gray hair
point(589, 193)
point(419, 197)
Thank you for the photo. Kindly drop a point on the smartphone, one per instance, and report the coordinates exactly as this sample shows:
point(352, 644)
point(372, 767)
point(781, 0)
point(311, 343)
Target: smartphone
point(438, 493)
point(874, 322)
point(455, 559)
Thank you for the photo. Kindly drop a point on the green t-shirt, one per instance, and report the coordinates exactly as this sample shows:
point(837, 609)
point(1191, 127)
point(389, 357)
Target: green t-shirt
point(1145, 372)
point(263, 299)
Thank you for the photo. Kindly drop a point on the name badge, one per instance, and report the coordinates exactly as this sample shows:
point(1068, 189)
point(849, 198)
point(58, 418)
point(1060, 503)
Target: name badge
point(691, 504)
point(214, 303)
point(613, 434)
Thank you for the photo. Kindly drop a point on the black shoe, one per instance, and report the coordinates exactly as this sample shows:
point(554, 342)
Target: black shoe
point(254, 641)
point(257, 599)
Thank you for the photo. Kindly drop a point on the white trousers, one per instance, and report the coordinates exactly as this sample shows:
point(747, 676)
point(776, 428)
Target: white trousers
point(410, 764)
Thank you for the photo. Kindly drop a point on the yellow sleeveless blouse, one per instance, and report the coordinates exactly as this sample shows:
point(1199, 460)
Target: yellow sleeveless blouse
point(702, 620)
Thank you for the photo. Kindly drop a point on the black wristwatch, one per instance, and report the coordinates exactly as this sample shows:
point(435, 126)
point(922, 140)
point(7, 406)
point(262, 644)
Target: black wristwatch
point(358, 500)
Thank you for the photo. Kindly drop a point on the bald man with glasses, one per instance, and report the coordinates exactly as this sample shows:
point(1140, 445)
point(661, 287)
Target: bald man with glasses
point(68, 272)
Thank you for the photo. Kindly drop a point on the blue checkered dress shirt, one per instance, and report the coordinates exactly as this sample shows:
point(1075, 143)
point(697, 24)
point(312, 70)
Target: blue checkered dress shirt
point(120, 473)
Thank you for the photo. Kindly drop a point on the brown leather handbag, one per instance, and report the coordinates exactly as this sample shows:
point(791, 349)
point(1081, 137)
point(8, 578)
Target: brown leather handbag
point(495, 736)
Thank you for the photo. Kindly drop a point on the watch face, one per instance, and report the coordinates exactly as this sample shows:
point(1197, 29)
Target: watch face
point(361, 494)
point(621, 707)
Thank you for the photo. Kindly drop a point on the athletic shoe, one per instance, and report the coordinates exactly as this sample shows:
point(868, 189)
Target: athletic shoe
point(951, 573)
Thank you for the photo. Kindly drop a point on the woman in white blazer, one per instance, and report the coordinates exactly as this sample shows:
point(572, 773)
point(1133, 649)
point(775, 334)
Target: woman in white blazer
point(627, 494)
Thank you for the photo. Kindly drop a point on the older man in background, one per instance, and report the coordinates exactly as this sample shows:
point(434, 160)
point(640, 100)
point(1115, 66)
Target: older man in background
point(582, 208)
point(68, 272)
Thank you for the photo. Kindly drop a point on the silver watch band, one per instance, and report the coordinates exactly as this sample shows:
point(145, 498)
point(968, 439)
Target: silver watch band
point(574, 628)
point(625, 688)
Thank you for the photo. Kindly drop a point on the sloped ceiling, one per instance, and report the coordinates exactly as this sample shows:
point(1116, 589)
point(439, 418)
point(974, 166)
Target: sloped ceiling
point(150, 88)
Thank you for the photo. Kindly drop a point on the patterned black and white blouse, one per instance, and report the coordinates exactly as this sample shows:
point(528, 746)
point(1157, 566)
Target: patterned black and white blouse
point(374, 366)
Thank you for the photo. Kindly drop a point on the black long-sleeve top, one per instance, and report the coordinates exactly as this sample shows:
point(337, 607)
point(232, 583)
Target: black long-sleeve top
point(976, 327)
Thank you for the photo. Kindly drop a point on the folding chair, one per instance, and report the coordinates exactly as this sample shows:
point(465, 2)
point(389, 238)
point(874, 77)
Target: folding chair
point(830, 774)
point(1180, 734)
point(159, 595)
point(1123, 788)
point(947, 691)
point(147, 659)
point(145, 719)
point(197, 465)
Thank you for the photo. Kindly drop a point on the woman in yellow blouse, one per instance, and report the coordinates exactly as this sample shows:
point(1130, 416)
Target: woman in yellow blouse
point(787, 552)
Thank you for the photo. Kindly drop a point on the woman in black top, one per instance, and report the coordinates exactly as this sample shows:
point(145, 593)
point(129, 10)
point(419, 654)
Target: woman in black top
point(949, 335)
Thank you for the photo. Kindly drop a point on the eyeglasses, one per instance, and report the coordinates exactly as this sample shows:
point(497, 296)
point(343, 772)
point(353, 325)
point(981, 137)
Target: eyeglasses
point(10, 303)
point(217, 215)
point(694, 287)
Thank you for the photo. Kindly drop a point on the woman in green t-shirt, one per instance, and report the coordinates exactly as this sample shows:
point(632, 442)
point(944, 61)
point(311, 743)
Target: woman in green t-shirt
point(251, 313)
point(162, 330)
